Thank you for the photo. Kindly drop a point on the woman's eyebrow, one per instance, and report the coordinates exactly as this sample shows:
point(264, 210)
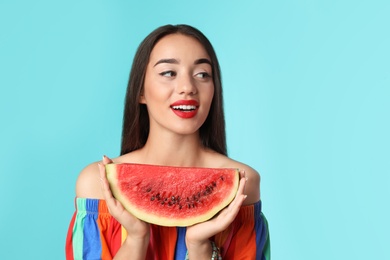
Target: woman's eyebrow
point(175, 61)
point(204, 60)
point(171, 61)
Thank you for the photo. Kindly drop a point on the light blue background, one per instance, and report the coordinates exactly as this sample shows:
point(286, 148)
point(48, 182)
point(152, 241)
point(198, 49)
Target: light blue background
point(307, 104)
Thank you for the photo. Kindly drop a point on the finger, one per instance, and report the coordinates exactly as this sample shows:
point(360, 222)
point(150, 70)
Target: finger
point(105, 185)
point(103, 176)
point(227, 215)
point(102, 173)
point(236, 204)
point(103, 179)
point(106, 160)
point(240, 196)
point(242, 183)
point(242, 174)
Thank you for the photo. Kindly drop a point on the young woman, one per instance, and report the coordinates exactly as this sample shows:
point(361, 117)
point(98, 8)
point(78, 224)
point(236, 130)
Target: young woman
point(173, 116)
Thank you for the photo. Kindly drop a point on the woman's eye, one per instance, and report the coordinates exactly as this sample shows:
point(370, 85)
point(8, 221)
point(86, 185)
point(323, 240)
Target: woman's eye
point(168, 73)
point(203, 75)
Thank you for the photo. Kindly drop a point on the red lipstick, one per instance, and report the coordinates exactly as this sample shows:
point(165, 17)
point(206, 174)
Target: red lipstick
point(185, 108)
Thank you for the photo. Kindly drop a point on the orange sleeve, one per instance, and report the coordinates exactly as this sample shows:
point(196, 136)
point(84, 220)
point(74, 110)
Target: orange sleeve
point(247, 237)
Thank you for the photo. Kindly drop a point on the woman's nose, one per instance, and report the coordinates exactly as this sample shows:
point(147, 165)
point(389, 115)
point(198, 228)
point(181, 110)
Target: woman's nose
point(186, 85)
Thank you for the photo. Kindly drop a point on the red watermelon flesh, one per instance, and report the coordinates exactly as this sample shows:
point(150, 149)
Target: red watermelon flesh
point(172, 196)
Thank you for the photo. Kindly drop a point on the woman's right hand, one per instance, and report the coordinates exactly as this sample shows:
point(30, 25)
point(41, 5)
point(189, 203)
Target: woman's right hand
point(136, 228)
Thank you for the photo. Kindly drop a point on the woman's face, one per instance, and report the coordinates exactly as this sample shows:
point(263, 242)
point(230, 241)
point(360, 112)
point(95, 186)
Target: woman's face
point(178, 88)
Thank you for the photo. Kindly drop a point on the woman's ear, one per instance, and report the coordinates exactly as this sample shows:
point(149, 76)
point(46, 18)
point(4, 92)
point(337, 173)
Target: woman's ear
point(141, 99)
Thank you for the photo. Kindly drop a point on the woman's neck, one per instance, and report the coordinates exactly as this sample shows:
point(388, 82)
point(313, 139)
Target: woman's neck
point(173, 150)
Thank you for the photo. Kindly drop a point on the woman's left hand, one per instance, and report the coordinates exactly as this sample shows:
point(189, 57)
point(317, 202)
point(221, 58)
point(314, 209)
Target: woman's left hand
point(199, 234)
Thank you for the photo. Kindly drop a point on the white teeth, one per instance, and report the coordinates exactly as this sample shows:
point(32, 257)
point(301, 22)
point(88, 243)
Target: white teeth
point(184, 107)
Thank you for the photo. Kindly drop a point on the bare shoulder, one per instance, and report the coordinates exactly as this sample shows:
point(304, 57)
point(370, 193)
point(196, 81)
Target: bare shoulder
point(252, 186)
point(88, 183)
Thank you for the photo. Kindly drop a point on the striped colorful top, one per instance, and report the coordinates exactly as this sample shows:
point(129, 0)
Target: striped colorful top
point(94, 234)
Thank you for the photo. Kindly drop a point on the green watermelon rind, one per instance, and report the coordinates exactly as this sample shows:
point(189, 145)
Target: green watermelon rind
point(111, 170)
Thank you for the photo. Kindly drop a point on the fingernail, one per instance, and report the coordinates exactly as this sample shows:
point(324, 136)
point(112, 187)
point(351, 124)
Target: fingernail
point(104, 157)
point(246, 178)
point(245, 196)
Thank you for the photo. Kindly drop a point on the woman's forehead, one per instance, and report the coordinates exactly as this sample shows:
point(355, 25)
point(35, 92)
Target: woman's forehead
point(178, 46)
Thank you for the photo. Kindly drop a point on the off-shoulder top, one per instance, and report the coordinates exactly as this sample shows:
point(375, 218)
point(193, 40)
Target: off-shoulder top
point(94, 234)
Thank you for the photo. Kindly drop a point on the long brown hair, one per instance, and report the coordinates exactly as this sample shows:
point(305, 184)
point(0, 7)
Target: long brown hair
point(135, 129)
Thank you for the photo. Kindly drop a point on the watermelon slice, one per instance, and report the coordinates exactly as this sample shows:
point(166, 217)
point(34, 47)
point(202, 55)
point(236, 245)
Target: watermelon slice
point(172, 196)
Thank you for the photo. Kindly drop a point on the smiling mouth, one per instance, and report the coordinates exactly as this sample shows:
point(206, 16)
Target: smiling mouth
point(184, 108)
